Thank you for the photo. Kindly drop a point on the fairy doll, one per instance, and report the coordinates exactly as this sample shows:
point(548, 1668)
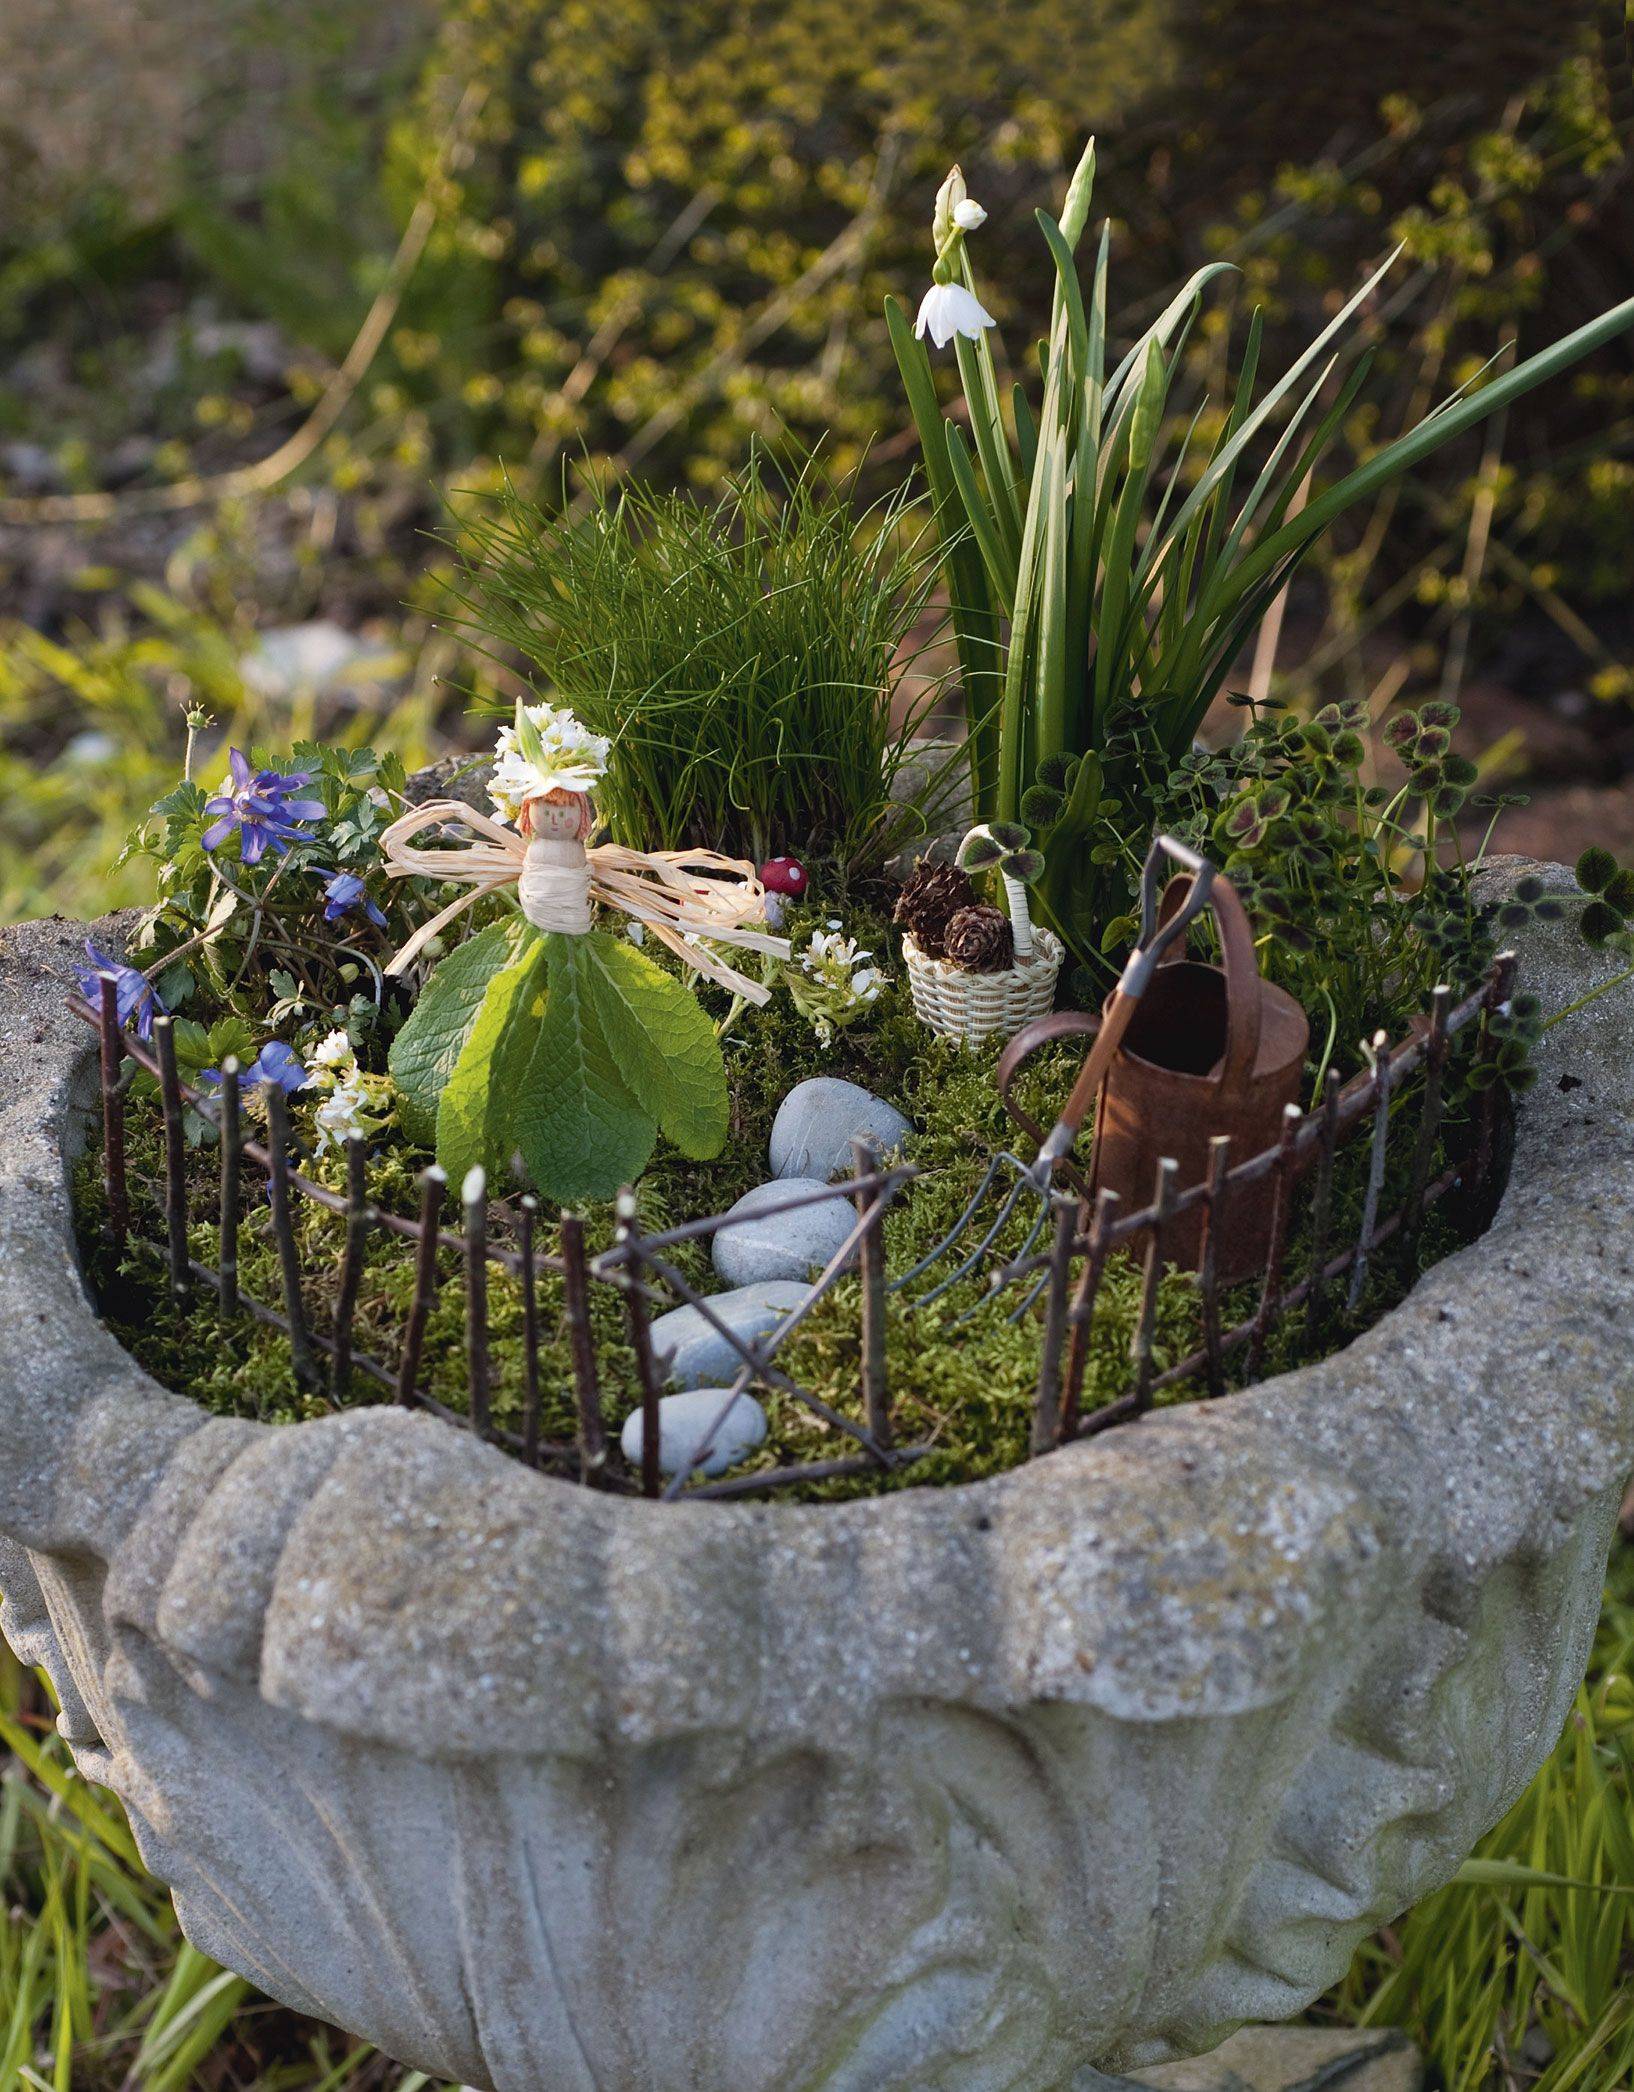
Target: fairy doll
point(545, 1038)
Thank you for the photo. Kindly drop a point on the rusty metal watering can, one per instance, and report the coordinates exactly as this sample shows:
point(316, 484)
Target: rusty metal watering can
point(1184, 1052)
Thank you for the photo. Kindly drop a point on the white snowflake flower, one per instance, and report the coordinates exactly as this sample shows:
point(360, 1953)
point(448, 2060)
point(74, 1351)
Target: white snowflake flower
point(948, 309)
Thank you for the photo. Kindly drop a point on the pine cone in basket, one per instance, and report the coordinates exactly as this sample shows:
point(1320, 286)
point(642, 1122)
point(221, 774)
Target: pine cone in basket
point(980, 940)
point(933, 895)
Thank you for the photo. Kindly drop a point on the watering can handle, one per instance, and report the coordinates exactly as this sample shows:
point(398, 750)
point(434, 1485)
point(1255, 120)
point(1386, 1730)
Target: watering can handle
point(1164, 923)
point(1180, 907)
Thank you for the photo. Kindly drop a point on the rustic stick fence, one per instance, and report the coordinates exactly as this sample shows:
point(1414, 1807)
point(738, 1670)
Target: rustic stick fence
point(1066, 1274)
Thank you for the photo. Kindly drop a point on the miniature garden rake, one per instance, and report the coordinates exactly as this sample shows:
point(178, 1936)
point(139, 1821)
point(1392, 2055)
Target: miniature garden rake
point(1161, 928)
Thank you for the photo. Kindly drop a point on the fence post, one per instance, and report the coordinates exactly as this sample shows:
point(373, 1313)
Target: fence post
point(530, 1328)
point(1502, 986)
point(635, 1309)
point(1377, 1154)
point(227, 1248)
point(113, 1113)
point(1168, 1172)
point(576, 1306)
point(432, 1182)
point(1208, 1269)
point(1047, 1400)
point(358, 1218)
point(1082, 1311)
point(1429, 1124)
point(876, 1396)
point(283, 1230)
point(1276, 1250)
point(170, 1097)
point(1322, 1204)
point(474, 1207)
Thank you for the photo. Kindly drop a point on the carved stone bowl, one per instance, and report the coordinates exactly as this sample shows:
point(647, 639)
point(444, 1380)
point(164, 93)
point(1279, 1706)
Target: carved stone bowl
point(967, 1789)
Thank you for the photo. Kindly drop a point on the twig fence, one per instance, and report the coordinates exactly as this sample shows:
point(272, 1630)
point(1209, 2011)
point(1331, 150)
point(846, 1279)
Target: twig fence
point(1067, 1274)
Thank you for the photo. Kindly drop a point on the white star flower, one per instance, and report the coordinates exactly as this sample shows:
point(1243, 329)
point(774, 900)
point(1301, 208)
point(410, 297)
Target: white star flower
point(547, 750)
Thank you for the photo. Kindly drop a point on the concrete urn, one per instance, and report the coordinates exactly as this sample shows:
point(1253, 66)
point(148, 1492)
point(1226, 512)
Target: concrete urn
point(1005, 1786)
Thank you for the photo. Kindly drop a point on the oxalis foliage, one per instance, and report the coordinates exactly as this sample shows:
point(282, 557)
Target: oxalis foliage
point(1106, 560)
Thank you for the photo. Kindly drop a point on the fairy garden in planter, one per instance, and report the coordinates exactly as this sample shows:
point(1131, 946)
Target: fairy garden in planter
point(715, 1087)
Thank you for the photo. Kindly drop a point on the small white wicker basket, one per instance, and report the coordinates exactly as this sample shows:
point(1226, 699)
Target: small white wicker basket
point(972, 1006)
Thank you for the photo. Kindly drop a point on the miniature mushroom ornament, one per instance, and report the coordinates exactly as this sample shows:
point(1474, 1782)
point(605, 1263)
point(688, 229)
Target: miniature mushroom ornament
point(544, 1039)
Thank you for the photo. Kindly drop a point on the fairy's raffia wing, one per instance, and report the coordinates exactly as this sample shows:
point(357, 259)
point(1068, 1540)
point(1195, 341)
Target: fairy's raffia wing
point(484, 866)
point(690, 899)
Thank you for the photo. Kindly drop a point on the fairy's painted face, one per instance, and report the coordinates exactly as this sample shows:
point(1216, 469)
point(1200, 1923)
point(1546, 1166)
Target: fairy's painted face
point(558, 815)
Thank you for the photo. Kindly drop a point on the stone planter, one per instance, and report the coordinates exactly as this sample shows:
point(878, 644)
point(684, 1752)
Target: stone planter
point(978, 1788)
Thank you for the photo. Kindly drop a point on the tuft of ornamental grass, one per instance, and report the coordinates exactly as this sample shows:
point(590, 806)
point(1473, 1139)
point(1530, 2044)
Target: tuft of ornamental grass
point(746, 658)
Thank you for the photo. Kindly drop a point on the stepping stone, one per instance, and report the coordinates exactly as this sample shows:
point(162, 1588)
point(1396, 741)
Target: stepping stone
point(683, 1424)
point(691, 1353)
point(1290, 2059)
point(817, 1120)
point(751, 1248)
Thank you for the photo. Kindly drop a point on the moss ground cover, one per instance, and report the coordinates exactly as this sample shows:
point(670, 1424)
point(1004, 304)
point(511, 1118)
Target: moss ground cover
point(964, 1387)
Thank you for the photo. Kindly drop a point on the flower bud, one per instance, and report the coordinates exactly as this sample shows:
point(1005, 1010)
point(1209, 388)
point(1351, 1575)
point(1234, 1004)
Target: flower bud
point(968, 215)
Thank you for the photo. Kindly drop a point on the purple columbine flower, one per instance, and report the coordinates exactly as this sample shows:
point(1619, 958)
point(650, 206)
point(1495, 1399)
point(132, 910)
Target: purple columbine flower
point(258, 804)
point(136, 994)
point(342, 893)
point(276, 1062)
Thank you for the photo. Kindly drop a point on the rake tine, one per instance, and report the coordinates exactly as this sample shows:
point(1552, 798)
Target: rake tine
point(964, 1270)
point(940, 1249)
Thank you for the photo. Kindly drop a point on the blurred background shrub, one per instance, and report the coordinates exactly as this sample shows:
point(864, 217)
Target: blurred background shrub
point(276, 281)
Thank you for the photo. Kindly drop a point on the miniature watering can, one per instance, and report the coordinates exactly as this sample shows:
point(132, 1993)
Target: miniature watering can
point(1184, 1052)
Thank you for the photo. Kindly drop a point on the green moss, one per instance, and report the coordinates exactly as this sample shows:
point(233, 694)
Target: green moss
point(962, 1374)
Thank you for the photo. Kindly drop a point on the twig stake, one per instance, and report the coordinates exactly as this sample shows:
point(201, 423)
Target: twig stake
point(635, 1308)
point(230, 1160)
point(1429, 1123)
point(576, 1306)
point(474, 1202)
point(530, 1329)
point(876, 1394)
point(170, 1096)
point(283, 1229)
point(1082, 1313)
point(1047, 1400)
point(113, 1112)
point(1276, 1249)
point(1140, 1349)
point(432, 1184)
point(1322, 1205)
point(1208, 1270)
point(1375, 1170)
point(358, 1218)
point(1500, 988)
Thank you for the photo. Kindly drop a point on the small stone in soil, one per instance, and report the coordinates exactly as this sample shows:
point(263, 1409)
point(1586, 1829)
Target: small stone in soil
point(752, 1247)
point(691, 1352)
point(684, 1422)
point(819, 1118)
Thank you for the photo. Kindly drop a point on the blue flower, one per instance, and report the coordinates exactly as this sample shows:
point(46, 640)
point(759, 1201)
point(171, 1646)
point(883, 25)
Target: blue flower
point(343, 892)
point(275, 1063)
point(258, 804)
point(135, 991)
